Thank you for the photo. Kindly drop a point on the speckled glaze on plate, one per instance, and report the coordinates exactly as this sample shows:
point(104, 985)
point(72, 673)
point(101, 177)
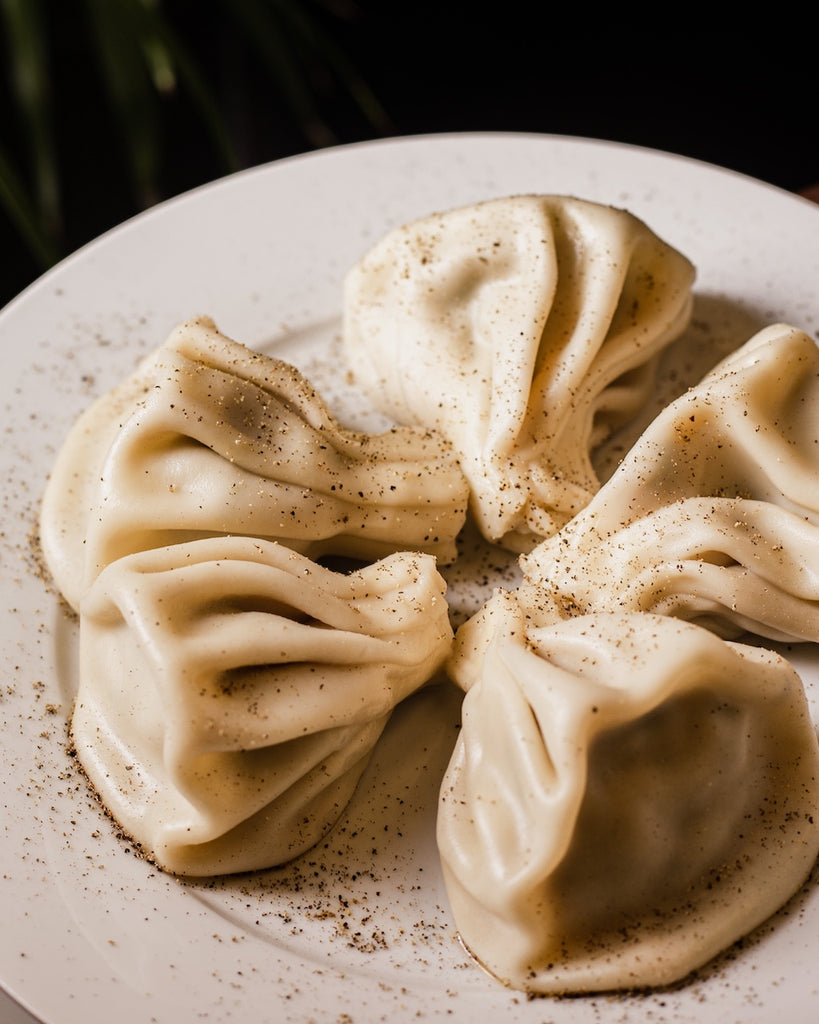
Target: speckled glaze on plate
point(358, 929)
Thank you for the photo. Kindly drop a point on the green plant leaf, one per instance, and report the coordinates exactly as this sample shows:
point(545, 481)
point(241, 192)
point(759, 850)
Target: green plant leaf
point(292, 44)
point(320, 43)
point(173, 64)
point(29, 71)
point(16, 201)
point(120, 30)
point(140, 55)
point(262, 26)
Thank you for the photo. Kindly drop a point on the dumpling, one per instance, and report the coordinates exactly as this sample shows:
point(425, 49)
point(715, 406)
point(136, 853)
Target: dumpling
point(714, 514)
point(231, 692)
point(524, 329)
point(629, 795)
point(208, 437)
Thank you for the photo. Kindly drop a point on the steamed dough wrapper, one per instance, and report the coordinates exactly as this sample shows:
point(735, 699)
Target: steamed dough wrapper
point(714, 514)
point(628, 796)
point(525, 330)
point(231, 692)
point(209, 437)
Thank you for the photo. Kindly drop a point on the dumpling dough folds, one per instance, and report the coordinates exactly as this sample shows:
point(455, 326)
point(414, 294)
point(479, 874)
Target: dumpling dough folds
point(208, 437)
point(231, 692)
point(629, 795)
point(524, 329)
point(713, 515)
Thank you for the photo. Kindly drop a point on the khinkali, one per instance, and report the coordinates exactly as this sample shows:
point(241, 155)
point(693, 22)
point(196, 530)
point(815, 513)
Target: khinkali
point(524, 329)
point(714, 513)
point(629, 795)
point(208, 437)
point(231, 691)
point(713, 516)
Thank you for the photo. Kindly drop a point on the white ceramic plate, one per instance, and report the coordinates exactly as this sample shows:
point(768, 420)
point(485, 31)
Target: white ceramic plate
point(359, 929)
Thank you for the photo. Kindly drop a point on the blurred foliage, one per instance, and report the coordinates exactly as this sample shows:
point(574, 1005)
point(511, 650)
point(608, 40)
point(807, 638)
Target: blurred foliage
point(107, 106)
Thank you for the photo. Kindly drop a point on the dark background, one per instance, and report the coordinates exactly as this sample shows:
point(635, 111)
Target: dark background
point(742, 98)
